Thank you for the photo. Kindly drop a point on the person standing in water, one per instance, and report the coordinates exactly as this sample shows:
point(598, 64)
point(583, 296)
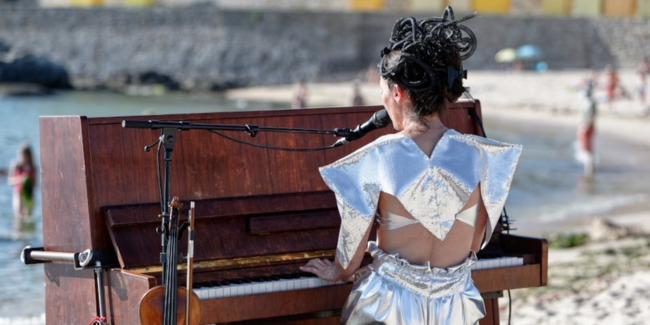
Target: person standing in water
point(586, 127)
point(22, 176)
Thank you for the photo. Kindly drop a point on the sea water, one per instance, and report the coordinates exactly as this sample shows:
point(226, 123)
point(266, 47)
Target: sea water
point(548, 190)
point(22, 286)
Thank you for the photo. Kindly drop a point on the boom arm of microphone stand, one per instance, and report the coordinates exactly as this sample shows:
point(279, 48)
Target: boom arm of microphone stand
point(343, 134)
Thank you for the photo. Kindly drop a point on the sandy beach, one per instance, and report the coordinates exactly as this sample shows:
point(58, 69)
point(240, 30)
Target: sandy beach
point(603, 281)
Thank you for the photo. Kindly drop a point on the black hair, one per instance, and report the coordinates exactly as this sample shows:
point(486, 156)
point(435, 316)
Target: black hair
point(425, 58)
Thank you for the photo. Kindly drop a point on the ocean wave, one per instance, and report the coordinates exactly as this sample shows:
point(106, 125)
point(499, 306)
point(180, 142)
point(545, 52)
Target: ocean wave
point(593, 206)
point(34, 320)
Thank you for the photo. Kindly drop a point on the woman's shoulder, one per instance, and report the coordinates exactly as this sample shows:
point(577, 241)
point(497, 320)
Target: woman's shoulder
point(368, 154)
point(457, 151)
point(378, 144)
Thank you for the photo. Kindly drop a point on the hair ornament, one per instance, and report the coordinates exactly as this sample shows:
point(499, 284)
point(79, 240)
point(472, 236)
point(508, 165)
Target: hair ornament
point(424, 47)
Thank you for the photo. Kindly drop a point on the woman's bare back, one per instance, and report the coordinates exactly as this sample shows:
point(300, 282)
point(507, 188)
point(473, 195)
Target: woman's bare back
point(417, 245)
point(414, 242)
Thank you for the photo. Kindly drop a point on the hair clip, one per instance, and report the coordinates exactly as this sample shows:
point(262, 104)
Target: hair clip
point(453, 74)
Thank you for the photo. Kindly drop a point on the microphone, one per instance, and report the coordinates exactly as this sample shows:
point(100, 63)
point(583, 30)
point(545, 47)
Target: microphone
point(378, 120)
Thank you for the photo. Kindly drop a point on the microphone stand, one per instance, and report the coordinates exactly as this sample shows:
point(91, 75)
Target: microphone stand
point(168, 140)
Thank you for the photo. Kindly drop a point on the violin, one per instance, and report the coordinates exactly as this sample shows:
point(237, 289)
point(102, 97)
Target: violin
point(169, 304)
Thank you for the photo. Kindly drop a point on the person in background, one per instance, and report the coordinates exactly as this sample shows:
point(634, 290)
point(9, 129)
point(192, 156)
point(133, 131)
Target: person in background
point(589, 85)
point(423, 186)
point(371, 75)
point(613, 87)
point(644, 70)
point(356, 99)
point(22, 176)
point(586, 127)
point(300, 95)
point(611, 83)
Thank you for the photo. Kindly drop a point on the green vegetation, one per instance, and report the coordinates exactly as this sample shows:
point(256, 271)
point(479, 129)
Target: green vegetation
point(568, 240)
point(594, 268)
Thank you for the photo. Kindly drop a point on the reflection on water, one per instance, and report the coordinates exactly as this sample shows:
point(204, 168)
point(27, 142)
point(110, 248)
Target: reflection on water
point(548, 188)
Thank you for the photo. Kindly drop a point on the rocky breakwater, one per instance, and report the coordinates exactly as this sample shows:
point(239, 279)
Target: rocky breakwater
point(29, 75)
point(32, 75)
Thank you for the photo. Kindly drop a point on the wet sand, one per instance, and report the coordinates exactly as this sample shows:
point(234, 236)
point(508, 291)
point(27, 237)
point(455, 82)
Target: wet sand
point(606, 280)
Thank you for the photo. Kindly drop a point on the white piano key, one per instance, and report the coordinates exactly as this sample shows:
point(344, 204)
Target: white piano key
point(211, 292)
point(256, 288)
point(304, 282)
point(499, 262)
point(275, 286)
point(291, 284)
point(235, 290)
point(216, 292)
point(201, 292)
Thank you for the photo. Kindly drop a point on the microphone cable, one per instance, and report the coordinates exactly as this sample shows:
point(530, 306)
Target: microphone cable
point(271, 147)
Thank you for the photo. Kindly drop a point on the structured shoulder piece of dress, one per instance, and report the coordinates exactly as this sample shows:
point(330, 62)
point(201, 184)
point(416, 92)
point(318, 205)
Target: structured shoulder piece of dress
point(433, 189)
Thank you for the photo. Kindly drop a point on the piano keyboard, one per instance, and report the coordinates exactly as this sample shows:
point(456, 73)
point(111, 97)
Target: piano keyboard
point(303, 280)
point(251, 286)
point(497, 262)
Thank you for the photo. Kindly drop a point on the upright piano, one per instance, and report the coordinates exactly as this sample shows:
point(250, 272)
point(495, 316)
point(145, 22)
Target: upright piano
point(260, 214)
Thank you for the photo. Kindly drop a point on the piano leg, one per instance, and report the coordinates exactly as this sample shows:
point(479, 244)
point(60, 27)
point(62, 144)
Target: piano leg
point(492, 312)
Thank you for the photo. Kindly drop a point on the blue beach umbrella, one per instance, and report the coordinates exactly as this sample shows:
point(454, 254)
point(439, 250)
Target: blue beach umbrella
point(529, 52)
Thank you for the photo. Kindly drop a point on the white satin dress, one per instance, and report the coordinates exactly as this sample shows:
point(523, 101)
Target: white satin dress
point(433, 189)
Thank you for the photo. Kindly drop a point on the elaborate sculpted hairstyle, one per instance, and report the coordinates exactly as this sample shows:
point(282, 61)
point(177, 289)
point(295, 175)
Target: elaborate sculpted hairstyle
point(425, 58)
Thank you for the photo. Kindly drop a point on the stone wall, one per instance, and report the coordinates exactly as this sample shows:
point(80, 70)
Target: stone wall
point(203, 46)
point(289, 5)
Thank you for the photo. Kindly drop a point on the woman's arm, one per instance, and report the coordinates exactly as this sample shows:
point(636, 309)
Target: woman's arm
point(327, 270)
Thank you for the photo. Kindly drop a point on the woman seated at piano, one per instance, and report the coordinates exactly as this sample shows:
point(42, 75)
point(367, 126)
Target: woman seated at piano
point(423, 186)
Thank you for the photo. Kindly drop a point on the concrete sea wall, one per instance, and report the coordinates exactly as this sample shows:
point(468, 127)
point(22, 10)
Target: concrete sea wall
point(204, 47)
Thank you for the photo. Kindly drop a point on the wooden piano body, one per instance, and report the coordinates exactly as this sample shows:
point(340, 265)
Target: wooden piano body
point(259, 211)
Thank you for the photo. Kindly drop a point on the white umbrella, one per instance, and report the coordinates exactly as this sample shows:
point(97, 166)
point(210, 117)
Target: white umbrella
point(506, 55)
